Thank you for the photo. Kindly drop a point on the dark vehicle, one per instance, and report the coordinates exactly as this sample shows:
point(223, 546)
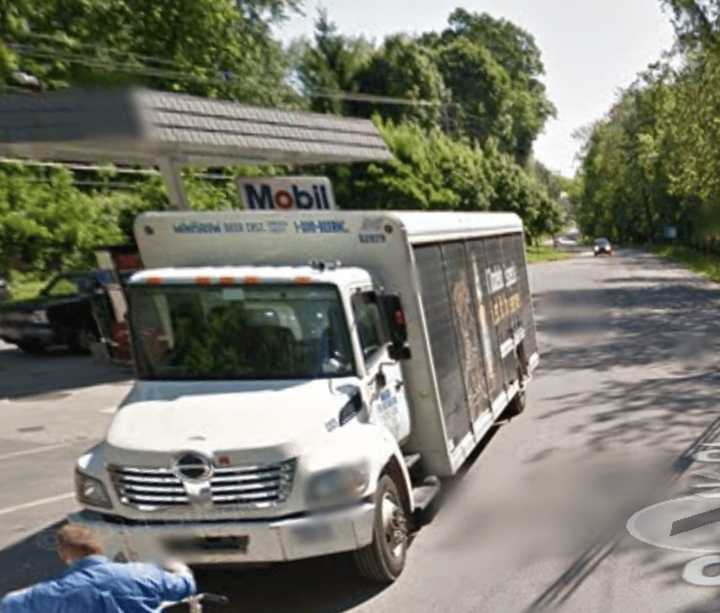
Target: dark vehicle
point(60, 315)
point(4, 290)
point(602, 247)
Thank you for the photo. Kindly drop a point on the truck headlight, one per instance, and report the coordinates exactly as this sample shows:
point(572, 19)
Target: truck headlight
point(338, 486)
point(39, 317)
point(91, 491)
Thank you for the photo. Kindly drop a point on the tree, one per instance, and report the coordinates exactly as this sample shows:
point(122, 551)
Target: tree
point(329, 66)
point(216, 48)
point(402, 68)
point(696, 21)
point(511, 102)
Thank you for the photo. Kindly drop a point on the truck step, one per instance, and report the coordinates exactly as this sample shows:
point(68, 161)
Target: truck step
point(411, 460)
point(424, 494)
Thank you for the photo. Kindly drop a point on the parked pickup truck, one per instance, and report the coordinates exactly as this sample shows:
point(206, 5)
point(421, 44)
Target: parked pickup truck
point(288, 405)
point(60, 315)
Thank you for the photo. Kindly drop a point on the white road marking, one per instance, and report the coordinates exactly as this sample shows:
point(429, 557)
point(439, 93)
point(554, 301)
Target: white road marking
point(36, 503)
point(17, 454)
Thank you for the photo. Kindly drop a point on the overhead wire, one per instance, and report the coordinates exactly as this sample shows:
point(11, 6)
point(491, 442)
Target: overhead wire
point(223, 78)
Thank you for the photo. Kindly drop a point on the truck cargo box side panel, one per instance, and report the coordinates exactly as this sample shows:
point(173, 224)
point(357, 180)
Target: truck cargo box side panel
point(500, 308)
point(491, 347)
point(437, 304)
point(511, 322)
point(526, 311)
point(462, 294)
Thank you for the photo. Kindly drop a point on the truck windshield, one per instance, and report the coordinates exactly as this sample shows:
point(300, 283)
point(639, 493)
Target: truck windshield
point(241, 332)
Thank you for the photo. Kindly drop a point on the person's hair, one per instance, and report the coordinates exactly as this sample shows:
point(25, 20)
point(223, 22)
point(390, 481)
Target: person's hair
point(78, 541)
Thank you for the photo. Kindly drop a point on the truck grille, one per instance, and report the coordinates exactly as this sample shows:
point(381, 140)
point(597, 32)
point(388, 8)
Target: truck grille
point(250, 486)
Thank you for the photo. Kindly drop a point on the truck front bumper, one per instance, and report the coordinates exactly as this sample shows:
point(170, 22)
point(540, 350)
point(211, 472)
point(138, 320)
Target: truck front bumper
point(237, 542)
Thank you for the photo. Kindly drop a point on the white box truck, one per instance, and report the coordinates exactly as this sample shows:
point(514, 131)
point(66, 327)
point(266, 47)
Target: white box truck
point(305, 379)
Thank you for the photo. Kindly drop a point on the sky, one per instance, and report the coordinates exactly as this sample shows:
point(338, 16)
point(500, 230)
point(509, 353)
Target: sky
point(590, 48)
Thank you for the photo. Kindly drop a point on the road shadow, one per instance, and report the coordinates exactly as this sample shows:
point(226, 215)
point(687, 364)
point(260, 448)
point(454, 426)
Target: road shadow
point(32, 376)
point(662, 329)
point(654, 337)
point(30, 560)
point(322, 585)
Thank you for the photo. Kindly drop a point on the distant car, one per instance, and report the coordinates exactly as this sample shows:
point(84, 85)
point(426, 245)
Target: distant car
point(602, 247)
point(4, 290)
point(60, 315)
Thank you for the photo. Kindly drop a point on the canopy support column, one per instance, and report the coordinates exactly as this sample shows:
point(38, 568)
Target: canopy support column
point(170, 170)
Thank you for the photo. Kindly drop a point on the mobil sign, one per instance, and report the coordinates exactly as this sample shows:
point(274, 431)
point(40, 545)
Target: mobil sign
point(286, 193)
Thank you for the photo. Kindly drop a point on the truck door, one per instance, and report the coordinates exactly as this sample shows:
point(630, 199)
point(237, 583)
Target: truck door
point(384, 383)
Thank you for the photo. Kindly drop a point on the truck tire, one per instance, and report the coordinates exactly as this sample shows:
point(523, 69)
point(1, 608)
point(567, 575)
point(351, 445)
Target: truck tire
point(384, 559)
point(517, 404)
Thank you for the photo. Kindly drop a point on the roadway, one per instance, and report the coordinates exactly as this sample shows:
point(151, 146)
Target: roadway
point(626, 390)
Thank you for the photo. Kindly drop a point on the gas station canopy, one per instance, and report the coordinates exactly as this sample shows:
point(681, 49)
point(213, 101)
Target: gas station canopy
point(136, 126)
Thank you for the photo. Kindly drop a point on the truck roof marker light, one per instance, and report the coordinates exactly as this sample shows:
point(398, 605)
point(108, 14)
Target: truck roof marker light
point(202, 280)
point(251, 280)
point(154, 281)
point(227, 280)
point(303, 280)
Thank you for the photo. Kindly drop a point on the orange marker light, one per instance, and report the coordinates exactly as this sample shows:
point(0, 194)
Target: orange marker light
point(154, 281)
point(202, 280)
point(303, 279)
point(251, 280)
point(227, 280)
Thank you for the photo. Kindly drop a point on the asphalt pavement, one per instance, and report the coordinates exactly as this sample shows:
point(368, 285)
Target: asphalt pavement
point(620, 412)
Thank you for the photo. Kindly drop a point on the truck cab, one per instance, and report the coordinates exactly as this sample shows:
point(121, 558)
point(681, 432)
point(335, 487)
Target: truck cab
point(269, 410)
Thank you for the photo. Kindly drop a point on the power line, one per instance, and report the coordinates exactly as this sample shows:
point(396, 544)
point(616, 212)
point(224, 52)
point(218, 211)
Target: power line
point(225, 79)
point(148, 172)
point(77, 44)
point(35, 52)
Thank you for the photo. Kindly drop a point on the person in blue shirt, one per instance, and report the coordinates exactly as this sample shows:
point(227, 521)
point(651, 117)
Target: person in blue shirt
point(94, 584)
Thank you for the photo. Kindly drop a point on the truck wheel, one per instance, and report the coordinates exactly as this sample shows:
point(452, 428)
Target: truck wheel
point(517, 404)
point(384, 559)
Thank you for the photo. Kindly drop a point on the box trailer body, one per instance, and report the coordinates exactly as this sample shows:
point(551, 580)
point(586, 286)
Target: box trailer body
point(416, 412)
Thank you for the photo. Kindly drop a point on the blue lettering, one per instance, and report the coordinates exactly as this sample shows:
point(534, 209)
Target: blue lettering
point(262, 200)
point(233, 227)
point(303, 199)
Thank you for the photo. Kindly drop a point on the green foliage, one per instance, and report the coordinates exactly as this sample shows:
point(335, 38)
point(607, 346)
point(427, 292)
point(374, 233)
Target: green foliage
point(479, 78)
point(25, 285)
point(654, 160)
point(494, 71)
point(46, 223)
point(217, 48)
point(544, 253)
point(402, 68)
point(474, 103)
point(431, 171)
point(329, 65)
point(705, 264)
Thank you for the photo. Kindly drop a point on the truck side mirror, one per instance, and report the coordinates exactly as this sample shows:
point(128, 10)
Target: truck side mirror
point(397, 327)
